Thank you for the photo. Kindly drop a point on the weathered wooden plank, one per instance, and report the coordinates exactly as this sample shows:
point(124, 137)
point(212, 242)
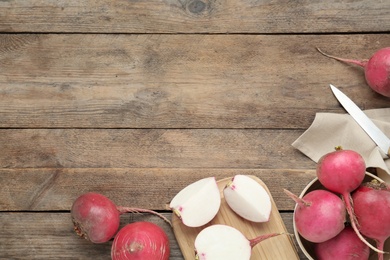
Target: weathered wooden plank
point(56, 189)
point(178, 81)
point(150, 148)
point(194, 16)
point(50, 236)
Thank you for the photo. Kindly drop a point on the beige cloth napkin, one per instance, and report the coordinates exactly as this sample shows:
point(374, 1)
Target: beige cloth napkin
point(329, 130)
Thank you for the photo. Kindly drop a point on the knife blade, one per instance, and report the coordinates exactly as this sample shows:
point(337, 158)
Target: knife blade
point(363, 121)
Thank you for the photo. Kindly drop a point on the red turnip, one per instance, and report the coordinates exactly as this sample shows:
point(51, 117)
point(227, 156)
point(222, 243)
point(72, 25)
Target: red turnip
point(140, 240)
point(346, 245)
point(376, 70)
point(342, 171)
point(372, 210)
point(319, 215)
point(96, 217)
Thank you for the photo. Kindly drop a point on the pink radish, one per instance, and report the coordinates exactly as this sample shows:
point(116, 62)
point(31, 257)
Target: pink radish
point(345, 245)
point(319, 215)
point(140, 240)
point(376, 69)
point(342, 171)
point(372, 209)
point(96, 217)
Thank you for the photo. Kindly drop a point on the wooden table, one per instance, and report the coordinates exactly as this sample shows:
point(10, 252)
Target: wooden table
point(137, 99)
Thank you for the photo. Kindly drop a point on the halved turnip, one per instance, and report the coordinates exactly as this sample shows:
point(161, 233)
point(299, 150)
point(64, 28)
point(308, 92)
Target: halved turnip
point(219, 241)
point(198, 203)
point(248, 198)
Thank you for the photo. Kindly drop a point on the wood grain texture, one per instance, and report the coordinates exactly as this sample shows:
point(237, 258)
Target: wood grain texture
point(50, 235)
point(36, 189)
point(136, 99)
point(147, 148)
point(178, 81)
point(194, 16)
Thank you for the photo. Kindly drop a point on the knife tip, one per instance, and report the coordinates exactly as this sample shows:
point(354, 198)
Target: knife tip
point(334, 89)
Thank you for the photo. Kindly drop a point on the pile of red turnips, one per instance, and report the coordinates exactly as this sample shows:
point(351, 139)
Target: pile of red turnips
point(376, 69)
point(97, 219)
point(327, 216)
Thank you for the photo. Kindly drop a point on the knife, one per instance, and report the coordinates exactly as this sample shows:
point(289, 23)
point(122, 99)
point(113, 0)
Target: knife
point(363, 121)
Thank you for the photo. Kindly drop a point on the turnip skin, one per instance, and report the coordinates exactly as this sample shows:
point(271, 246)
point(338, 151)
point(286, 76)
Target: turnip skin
point(319, 215)
point(377, 72)
point(376, 69)
point(140, 241)
point(342, 171)
point(345, 246)
point(95, 217)
point(372, 210)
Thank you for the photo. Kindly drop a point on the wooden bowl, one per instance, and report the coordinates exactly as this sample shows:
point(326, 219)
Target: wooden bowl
point(307, 247)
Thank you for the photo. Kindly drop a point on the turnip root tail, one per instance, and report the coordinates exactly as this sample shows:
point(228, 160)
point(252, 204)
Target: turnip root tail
point(380, 245)
point(298, 200)
point(123, 210)
point(258, 239)
point(354, 223)
point(361, 63)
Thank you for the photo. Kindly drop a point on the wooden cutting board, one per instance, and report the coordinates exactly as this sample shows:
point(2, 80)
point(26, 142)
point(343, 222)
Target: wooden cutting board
point(280, 247)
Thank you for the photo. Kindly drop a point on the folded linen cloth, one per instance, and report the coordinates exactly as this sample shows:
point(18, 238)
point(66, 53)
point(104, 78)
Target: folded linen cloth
point(329, 130)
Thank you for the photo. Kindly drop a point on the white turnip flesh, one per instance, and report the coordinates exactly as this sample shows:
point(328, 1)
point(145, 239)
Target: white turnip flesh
point(220, 241)
point(342, 171)
point(372, 210)
point(197, 203)
point(248, 198)
point(319, 215)
point(140, 241)
point(346, 246)
point(376, 69)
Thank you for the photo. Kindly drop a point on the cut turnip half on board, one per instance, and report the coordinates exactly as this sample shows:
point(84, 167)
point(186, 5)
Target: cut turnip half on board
point(248, 198)
point(225, 242)
point(198, 203)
